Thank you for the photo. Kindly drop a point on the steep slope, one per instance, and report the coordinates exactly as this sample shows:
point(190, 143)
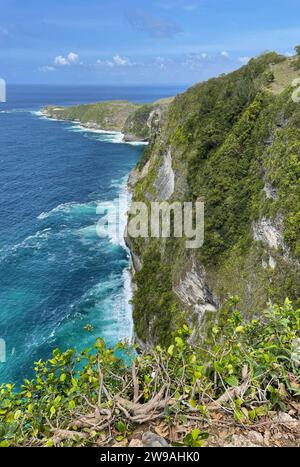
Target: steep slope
point(134, 120)
point(233, 142)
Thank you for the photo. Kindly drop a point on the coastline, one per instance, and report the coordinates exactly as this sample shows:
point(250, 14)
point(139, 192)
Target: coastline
point(125, 195)
point(94, 127)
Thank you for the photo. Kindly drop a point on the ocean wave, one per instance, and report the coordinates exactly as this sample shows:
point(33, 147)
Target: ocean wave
point(116, 138)
point(137, 143)
point(110, 304)
point(87, 235)
point(34, 242)
point(14, 111)
point(105, 136)
point(116, 209)
point(128, 294)
point(37, 113)
point(120, 183)
point(100, 135)
point(117, 213)
point(72, 208)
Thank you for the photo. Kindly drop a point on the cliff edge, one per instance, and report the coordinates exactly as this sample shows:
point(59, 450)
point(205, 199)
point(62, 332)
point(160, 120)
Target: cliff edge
point(234, 143)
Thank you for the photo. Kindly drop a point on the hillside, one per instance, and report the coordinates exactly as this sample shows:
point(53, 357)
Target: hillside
point(134, 120)
point(216, 360)
point(233, 142)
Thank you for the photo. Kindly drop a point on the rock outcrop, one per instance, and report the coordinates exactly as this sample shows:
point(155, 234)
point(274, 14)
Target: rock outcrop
point(165, 181)
point(232, 142)
point(135, 121)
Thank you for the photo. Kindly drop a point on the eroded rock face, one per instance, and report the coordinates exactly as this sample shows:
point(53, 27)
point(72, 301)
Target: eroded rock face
point(193, 290)
point(165, 181)
point(136, 175)
point(269, 231)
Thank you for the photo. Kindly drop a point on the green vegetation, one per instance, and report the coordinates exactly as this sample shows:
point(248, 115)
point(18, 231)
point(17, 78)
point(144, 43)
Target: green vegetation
point(137, 124)
point(232, 139)
point(297, 50)
point(234, 143)
point(243, 368)
point(110, 115)
point(156, 278)
point(126, 117)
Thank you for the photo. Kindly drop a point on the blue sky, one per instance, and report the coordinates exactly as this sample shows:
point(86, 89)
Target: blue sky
point(139, 41)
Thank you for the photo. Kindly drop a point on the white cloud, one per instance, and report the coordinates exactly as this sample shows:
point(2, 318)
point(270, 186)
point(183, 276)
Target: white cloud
point(122, 61)
point(71, 59)
point(105, 63)
point(46, 68)
point(117, 60)
point(195, 60)
point(288, 54)
point(163, 62)
point(160, 62)
point(60, 61)
point(225, 54)
point(244, 60)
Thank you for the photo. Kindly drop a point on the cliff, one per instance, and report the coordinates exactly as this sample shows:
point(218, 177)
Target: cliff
point(233, 142)
point(134, 120)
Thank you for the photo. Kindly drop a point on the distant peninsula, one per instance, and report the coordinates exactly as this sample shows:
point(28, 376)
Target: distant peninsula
point(135, 121)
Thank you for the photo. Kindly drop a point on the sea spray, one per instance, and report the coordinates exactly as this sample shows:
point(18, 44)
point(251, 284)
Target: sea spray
point(56, 276)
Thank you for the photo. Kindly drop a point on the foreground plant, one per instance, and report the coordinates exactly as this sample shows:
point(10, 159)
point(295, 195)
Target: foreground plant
point(102, 395)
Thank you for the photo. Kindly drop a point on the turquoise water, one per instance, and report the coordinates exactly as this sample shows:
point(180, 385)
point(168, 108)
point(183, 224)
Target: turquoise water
point(56, 274)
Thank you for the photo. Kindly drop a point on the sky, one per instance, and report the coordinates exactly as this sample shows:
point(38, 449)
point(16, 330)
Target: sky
point(138, 41)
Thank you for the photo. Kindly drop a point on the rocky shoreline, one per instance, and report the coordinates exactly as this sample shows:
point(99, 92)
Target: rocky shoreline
point(93, 126)
point(133, 121)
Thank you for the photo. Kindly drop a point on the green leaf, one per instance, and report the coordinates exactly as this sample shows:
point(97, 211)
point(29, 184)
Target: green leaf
point(4, 444)
point(232, 380)
point(72, 405)
point(18, 414)
point(179, 342)
point(121, 427)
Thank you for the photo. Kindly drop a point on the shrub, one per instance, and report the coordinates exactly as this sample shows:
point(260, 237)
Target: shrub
point(76, 400)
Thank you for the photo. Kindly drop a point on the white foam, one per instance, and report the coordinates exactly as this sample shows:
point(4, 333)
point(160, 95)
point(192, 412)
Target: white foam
point(137, 143)
point(118, 215)
point(37, 113)
point(67, 208)
point(27, 242)
point(102, 135)
point(106, 136)
point(123, 308)
point(128, 294)
point(34, 242)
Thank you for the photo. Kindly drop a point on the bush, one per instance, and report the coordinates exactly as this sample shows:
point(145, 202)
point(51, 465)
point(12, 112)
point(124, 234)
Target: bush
point(76, 400)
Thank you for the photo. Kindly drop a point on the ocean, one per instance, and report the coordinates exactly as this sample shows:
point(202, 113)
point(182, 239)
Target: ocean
point(56, 274)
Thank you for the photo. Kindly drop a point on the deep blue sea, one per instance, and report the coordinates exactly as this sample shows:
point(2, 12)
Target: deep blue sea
point(56, 274)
